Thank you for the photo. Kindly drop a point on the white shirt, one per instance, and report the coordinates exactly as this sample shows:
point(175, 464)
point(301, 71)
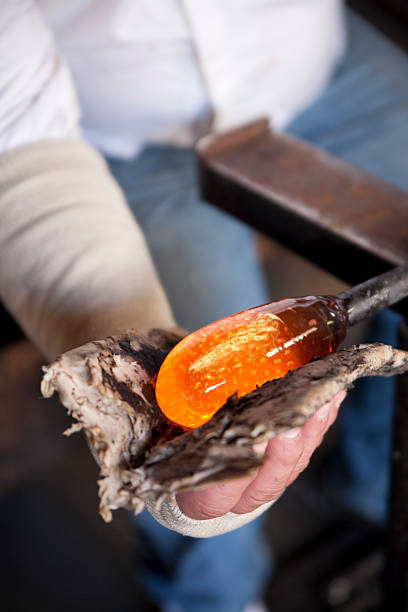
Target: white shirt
point(131, 72)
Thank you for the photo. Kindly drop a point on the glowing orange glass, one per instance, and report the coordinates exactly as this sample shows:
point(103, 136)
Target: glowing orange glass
point(243, 351)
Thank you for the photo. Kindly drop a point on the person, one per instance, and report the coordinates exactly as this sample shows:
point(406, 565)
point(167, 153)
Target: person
point(140, 82)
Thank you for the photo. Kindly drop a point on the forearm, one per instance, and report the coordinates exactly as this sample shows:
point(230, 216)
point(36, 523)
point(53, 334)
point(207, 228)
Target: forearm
point(74, 265)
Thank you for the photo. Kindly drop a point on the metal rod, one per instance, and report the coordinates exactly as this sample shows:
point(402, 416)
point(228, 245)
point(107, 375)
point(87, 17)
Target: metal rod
point(377, 293)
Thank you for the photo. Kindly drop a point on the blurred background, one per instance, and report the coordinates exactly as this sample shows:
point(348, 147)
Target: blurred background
point(57, 553)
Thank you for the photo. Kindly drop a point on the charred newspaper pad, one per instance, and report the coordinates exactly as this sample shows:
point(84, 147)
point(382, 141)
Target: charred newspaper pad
point(147, 453)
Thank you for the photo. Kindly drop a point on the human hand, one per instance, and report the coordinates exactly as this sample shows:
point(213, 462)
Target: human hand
point(288, 454)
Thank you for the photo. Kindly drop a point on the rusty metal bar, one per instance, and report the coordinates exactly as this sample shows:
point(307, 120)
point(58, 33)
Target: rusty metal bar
point(348, 222)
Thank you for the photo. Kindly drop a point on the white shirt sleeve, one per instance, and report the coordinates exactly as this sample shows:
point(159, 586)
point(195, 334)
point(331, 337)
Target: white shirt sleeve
point(37, 99)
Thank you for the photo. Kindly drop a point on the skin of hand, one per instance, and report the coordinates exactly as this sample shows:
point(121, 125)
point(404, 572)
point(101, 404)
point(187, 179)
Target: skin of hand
point(288, 454)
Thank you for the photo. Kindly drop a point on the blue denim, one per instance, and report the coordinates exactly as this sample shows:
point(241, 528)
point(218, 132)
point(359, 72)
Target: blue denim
point(206, 259)
point(209, 269)
point(221, 574)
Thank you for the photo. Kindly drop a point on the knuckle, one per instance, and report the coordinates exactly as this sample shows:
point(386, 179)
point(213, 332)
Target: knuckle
point(289, 458)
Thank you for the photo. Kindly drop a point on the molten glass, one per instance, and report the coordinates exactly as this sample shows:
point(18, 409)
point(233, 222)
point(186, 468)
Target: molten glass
point(243, 351)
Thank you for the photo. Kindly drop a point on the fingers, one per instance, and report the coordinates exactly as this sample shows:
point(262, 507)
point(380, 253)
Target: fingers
point(336, 403)
point(284, 451)
point(288, 455)
point(314, 430)
point(213, 501)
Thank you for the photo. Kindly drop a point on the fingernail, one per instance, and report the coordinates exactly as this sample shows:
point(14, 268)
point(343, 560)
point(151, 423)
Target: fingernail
point(291, 433)
point(323, 413)
point(260, 447)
